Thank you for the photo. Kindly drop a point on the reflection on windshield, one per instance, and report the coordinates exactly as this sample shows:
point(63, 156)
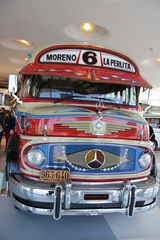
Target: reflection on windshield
point(60, 87)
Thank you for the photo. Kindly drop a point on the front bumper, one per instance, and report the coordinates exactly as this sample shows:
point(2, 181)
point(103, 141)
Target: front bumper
point(83, 199)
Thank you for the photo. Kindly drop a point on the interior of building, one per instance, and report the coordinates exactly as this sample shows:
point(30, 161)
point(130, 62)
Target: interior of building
point(79, 119)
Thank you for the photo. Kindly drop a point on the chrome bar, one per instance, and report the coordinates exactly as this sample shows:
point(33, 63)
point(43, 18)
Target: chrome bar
point(132, 201)
point(71, 195)
point(57, 206)
point(67, 196)
point(76, 212)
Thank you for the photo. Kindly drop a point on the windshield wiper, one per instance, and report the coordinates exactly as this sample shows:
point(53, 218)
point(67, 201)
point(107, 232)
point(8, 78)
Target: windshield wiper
point(68, 97)
point(87, 99)
point(106, 99)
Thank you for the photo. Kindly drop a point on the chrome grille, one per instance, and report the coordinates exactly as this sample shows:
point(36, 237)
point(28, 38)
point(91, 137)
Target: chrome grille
point(89, 127)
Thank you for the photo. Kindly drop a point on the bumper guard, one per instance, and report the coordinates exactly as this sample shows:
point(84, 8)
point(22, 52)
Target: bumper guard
point(122, 197)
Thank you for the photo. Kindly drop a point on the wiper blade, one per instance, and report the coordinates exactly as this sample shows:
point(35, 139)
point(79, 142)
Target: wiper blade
point(83, 97)
point(106, 99)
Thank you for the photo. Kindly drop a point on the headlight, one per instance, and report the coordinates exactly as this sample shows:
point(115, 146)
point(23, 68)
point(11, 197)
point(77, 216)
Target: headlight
point(145, 160)
point(35, 157)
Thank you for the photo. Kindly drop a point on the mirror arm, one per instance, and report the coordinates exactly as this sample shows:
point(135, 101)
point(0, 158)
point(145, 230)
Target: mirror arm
point(17, 99)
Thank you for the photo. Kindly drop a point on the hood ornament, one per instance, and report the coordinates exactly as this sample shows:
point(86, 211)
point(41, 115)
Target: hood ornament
point(99, 107)
point(99, 126)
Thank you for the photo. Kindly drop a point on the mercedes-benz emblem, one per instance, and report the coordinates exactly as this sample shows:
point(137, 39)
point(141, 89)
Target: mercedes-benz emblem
point(95, 159)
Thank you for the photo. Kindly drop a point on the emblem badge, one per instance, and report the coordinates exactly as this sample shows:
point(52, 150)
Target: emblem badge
point(95, 159)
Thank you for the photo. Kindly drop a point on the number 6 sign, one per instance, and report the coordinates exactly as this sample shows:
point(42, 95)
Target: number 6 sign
point(87, 57)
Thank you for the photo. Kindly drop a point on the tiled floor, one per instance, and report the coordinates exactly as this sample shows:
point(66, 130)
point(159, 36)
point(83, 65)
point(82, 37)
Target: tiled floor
point(18, 225)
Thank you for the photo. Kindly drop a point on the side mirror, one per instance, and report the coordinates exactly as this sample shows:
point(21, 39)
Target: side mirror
point(12, 86)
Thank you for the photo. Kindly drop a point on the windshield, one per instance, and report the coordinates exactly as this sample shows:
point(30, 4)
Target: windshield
point(61, 87)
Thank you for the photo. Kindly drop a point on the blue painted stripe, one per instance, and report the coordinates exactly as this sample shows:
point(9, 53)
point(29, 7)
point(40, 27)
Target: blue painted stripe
point(129, 120)
point(116, 113)
point(75, 110)
point(19, 114)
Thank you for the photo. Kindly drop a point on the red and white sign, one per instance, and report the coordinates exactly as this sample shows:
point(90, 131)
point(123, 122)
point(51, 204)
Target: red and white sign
point(88, 57)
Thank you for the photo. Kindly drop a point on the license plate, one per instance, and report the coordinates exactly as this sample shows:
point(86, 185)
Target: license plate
point(54, 175)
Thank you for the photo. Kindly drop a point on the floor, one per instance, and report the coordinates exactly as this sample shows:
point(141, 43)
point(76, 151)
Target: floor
point(18, 225)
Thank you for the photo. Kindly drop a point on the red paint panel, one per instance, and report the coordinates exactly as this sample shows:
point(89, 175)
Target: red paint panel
point(36, 129)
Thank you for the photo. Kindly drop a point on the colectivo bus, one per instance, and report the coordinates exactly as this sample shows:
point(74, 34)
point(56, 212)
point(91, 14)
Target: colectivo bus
point(81, 146)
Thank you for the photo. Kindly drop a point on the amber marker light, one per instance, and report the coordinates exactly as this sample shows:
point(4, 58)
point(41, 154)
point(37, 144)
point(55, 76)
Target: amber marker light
point(87, 27)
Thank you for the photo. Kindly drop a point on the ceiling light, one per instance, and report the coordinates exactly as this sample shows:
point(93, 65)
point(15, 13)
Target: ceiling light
point(87, 27)
point(20, 41)
point(158, 59)
point(86, 32)
point(25, 42)
point(17, 44)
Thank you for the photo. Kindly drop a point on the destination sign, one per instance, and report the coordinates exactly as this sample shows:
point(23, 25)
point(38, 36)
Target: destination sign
point(88, 57)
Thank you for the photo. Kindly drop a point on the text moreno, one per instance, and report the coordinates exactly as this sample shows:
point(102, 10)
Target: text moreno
point(61, 57)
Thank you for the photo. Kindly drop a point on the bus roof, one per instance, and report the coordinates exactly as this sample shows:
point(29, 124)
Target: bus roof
point(87, 62)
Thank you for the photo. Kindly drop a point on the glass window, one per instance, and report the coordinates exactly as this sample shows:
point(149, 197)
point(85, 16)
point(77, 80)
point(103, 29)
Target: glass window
point(60, 87)
point(26, 87)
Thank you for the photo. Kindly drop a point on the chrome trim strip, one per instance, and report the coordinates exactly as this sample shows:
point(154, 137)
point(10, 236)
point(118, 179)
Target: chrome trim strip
point(67, 193)
point(111, 176)
point(40, 192)
point(73, 212)
point(41, 139)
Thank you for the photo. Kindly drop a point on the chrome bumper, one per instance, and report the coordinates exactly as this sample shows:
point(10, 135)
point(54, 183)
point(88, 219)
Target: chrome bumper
point(72, 198)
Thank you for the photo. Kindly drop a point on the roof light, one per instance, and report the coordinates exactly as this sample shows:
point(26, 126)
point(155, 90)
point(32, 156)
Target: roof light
point(87, 27)
point(25, 42)
point(17, 44)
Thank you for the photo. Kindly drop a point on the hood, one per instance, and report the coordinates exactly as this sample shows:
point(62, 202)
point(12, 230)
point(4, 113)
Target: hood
point(77, 121)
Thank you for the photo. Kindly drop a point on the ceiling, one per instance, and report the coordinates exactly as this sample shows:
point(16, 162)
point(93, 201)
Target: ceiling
point(132, 27)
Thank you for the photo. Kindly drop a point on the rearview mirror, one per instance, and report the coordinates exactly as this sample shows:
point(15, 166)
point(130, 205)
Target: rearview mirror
point(12, 86)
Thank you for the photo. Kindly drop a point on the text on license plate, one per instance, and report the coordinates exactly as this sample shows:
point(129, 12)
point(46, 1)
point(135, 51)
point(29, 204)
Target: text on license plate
point(54, 175)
